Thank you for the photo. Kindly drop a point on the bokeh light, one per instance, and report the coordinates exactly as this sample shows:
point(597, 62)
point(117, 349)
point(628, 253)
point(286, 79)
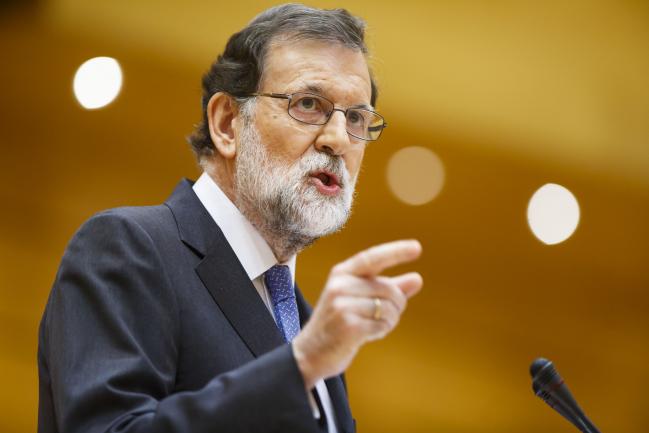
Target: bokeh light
point(553, 214)
point(415, 175)
point(97, 82)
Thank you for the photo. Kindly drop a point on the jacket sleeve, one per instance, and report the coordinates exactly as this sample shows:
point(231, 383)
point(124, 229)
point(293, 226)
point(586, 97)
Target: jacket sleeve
point(109, 338)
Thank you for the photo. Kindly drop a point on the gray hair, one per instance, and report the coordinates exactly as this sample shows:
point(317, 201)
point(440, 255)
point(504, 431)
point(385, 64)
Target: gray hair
point(238, 70)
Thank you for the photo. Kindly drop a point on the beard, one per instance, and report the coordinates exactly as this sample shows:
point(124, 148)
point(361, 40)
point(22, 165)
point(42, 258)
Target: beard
point(281, 200)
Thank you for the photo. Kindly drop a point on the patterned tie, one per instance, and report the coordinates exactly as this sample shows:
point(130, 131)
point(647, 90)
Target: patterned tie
point(280, 285)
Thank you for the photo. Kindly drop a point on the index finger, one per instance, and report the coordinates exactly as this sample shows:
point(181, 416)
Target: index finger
point(374, 260)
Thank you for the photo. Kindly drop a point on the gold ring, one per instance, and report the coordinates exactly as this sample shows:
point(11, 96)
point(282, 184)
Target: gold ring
point(377, 309)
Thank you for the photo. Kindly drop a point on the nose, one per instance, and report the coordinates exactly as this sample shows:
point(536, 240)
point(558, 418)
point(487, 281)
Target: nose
point(333, 138)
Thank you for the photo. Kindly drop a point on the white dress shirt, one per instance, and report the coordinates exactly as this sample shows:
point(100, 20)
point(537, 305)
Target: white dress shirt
point(256, 257)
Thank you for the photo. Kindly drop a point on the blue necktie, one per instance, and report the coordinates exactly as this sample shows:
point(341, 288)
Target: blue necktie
point(280, 286)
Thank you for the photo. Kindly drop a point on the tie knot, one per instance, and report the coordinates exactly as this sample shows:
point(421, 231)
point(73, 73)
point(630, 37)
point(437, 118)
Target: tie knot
point(279, 283)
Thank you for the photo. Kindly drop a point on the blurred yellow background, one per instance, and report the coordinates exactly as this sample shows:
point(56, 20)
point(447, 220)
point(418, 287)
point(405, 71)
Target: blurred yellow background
point(510, 95)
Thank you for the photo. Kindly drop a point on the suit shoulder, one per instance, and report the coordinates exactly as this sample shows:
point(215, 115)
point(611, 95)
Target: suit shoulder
point(153, 220)
point(145, 216)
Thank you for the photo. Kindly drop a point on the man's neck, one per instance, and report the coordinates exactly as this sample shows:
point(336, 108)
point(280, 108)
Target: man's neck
point(222, 178)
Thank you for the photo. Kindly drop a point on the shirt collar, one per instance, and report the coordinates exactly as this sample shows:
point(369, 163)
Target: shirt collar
point(250, 247)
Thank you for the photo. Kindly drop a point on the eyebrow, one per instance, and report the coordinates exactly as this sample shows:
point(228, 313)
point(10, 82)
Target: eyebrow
point(315, 88)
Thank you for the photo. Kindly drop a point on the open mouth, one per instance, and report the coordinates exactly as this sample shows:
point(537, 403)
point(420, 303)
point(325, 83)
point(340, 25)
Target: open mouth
point(326, 182)
point(327, 179)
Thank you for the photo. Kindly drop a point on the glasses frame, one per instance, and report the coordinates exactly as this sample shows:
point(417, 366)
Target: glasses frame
point(289, 97)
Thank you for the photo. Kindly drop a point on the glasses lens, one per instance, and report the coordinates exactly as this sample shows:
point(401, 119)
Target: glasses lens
point(309, 108)
point(364, 124)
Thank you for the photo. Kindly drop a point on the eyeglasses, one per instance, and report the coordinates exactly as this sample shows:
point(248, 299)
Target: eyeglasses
point(314, 109)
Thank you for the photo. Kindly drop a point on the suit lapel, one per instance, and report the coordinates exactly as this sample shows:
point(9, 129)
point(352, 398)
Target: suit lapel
point(230, 287)
point(222, 273)
point(335, 385)
point(303, 307)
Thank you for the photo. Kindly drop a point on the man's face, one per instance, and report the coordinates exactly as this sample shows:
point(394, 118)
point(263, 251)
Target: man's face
point(331, 70)
point(281, 161)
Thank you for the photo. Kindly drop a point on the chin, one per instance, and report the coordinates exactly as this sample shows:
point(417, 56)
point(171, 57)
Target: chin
point(317, 223)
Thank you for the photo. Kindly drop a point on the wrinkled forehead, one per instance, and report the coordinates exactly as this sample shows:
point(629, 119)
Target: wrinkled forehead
point(328, 68)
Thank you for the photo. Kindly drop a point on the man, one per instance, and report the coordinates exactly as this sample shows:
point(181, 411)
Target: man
point(184, 317)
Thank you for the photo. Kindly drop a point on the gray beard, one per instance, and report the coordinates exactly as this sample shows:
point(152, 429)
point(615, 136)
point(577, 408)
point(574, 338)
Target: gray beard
point(280, 200)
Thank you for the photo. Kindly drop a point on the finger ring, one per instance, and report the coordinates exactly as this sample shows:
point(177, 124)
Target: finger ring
point(377, 309)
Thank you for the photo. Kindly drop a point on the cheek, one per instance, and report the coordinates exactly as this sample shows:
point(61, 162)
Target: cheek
point(353, 161)
point(286, 141)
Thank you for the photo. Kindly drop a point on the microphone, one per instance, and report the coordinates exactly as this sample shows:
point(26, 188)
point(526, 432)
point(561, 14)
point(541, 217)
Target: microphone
point(564, 412)
point(548, 385)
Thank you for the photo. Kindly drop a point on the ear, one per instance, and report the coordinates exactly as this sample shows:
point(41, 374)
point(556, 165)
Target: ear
point(221, 116)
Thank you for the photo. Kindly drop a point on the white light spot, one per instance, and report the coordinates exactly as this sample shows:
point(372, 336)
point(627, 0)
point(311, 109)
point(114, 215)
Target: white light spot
point(553, 214)
point(97, 82)
point(415, 175)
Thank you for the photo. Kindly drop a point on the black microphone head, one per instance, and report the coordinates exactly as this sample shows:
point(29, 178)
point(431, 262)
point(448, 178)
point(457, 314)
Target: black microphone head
point(548, 376)
point(549, 386)
point(537, 365)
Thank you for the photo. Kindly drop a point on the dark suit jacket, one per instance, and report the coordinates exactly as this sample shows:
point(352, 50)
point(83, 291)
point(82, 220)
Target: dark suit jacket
point(153, 325)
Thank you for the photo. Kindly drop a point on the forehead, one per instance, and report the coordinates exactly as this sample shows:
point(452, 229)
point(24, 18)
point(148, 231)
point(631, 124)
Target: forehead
point(340, 72)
